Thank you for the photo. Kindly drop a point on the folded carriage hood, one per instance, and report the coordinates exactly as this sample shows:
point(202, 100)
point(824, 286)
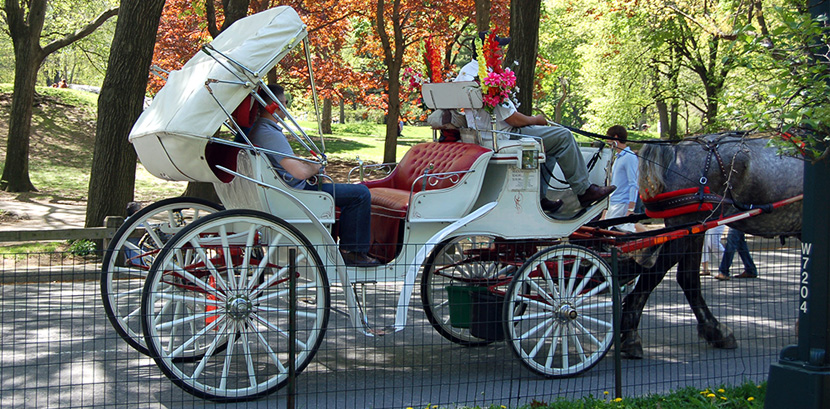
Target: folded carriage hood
point(171, 134)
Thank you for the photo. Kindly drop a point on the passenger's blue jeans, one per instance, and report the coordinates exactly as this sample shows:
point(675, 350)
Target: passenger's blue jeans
point(736, 241)
point(355, 205)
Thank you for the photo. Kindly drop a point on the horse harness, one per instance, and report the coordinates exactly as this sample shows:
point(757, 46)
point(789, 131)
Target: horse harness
point(701, 196)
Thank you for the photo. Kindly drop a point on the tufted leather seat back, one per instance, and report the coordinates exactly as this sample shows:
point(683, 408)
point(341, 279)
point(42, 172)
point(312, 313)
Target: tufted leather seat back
point(442, 157)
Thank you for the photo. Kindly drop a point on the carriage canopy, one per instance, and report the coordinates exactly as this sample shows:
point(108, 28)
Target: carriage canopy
point(171, 135)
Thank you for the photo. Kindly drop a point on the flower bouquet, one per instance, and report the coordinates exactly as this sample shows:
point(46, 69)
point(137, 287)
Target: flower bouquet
point(496, 82)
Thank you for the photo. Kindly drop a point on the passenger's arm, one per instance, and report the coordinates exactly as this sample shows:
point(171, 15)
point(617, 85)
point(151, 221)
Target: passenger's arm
point(518, 120)
point(299, 169)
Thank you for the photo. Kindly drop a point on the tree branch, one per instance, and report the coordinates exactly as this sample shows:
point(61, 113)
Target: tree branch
point(210, 15)
point(717, 32)
point(83, 32)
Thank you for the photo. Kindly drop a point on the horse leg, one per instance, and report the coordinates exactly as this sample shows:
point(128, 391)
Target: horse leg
point(631, 345)
point(715, 333)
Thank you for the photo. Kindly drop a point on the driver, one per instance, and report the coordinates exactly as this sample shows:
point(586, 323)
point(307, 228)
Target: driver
point(353, 200)
point(560, 145)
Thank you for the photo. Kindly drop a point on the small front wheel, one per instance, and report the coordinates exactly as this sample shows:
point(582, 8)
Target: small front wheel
point(221, 287)
point(559, 311)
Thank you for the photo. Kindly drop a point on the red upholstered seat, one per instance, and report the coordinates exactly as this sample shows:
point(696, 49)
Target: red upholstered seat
point(390, 195)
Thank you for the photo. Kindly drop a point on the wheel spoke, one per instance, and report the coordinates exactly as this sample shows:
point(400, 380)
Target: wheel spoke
point(279, 330)
point(593, 320)
point(208, 354)
point(554, 344)
point(272, 247)
point(274, 358)
point(229, 352)
point(249, 363)
point(587, 334)
point(246, 259)
point(542, 339)
point(178, 351)
point(594, 291)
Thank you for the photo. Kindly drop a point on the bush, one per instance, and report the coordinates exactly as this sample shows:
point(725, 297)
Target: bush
point(81, 248)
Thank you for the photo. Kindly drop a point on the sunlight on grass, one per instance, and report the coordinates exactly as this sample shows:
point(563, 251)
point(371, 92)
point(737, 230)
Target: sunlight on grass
point(149, 188)
point(365, 140)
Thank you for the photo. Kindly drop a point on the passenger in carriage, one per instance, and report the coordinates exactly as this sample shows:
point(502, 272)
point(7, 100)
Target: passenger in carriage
point(353, 200)
point(559, 143)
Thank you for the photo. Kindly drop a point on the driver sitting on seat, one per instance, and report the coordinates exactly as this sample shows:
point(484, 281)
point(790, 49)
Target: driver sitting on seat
point(354, 201)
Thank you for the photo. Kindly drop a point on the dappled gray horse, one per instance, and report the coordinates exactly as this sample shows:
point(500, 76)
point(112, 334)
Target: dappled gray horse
point(739, 170)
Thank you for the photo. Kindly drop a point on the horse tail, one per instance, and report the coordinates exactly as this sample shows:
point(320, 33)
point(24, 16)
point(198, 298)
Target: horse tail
point(654, 162)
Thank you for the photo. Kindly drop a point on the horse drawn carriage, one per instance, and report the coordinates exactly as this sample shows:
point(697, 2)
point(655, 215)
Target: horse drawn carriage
point(205, 289)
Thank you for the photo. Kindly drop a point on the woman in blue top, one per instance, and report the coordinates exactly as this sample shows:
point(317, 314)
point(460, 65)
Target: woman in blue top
point(354, 201)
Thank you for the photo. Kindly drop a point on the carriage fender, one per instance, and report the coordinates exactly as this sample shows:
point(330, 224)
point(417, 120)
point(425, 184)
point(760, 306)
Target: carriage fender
point(423, 253)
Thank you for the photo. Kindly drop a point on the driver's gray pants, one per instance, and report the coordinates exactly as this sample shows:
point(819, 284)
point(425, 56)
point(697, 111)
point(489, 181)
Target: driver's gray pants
point(560, 147)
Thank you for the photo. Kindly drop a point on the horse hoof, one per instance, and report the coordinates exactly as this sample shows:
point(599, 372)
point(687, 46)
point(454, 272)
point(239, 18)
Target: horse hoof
point(718, 336)
point(631, 347)
point(728, 342)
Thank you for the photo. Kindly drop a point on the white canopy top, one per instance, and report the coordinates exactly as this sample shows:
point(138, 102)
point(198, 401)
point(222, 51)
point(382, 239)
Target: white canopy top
point(183, 115)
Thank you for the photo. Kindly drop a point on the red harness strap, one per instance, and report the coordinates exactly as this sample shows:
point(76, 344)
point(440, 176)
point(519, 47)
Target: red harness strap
point(680, 202)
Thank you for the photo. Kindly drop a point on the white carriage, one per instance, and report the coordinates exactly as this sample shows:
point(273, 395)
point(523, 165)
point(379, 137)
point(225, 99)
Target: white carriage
point(204, 290)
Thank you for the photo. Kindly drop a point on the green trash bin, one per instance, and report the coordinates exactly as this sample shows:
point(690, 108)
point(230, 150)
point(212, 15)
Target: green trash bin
point(461, 304)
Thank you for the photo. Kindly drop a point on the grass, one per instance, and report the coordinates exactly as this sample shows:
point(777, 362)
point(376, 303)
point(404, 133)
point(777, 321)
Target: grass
point(366, 140)
point(746, 396)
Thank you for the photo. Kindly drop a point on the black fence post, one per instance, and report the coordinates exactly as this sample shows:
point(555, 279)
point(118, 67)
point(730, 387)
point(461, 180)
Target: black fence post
point(292, 328)
point(617, 316)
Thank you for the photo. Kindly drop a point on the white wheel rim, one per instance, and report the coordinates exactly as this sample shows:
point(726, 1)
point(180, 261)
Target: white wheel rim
point(238, 316)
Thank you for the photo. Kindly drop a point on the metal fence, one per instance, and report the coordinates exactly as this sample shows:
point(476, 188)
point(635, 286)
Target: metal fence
point(58, 348)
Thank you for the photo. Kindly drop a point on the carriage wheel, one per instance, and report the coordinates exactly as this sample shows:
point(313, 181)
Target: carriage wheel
point(132, 251)
point(461, 263)
point(223, 281)
point(558, 311)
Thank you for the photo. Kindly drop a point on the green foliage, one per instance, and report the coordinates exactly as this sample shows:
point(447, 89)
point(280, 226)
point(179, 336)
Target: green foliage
point(84, 61)
point(81, 248)
point(789, 84)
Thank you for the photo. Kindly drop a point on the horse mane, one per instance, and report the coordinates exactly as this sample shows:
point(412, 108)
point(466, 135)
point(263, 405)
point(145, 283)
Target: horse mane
point(654, 161)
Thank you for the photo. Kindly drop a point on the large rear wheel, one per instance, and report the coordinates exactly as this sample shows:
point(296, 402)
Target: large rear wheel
point(458, 268)
point(221, 286)
point(130, 254)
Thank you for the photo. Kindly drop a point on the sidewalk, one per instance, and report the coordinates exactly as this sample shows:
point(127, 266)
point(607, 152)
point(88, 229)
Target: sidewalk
point(35, 214)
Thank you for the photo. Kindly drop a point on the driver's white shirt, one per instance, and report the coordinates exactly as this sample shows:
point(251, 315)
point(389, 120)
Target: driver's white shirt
point(480, 117)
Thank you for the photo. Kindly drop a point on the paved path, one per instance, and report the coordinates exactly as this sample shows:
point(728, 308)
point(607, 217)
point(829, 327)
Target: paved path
point(41, 214)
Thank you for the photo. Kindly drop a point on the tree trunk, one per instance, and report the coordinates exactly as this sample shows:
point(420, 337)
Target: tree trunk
point(234, 10)
point(326, 120)
point(524, 45)
point(393, 114)
point(482, 15)
point(663, 114)
point(342, 111)
point(112, 178)
point(674, 132)
point(202, 190)
point(393, 58)
point(25, 25)
point(16, 170)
